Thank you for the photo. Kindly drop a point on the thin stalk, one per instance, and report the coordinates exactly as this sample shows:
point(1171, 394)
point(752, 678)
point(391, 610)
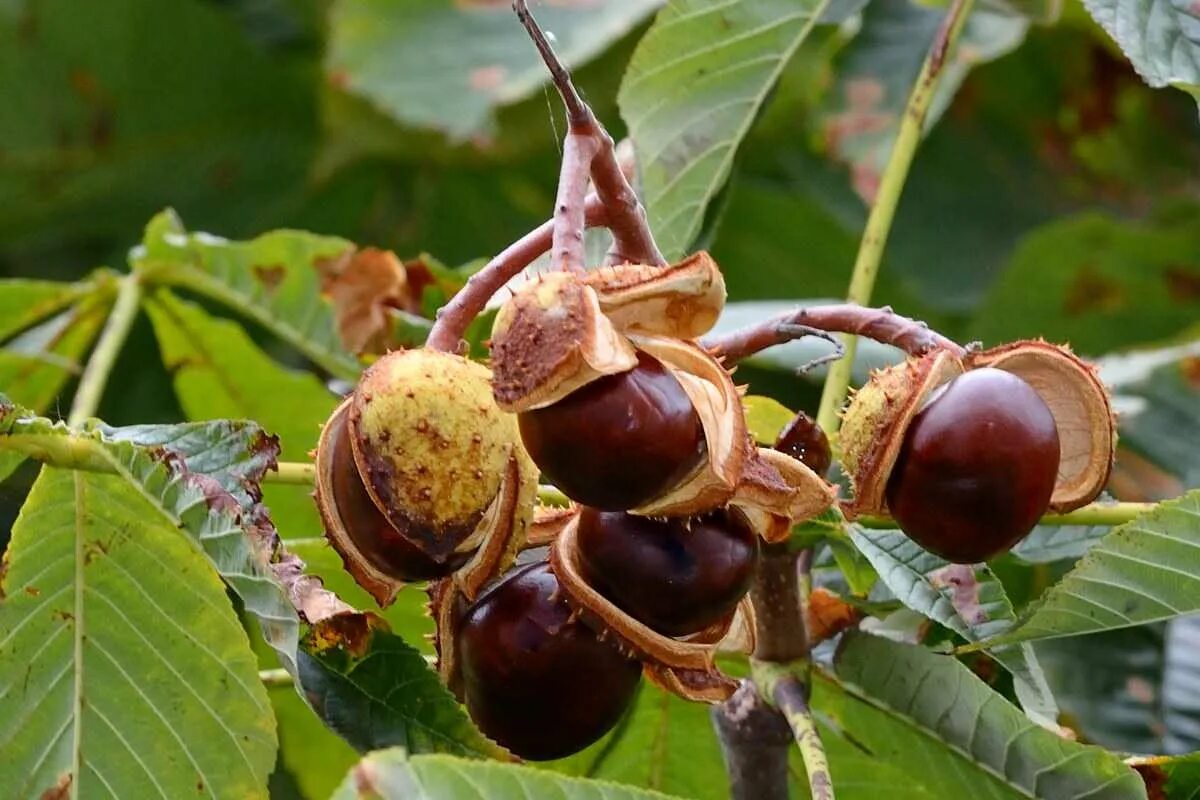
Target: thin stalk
point(1093, 514)
point(883, 212)
point(272, 678)
point(104, 356)
point(785, 686)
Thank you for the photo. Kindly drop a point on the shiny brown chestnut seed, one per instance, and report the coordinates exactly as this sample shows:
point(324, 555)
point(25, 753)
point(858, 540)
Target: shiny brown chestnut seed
point(977, 467)
point(620, 441)
point(677, 575)
point(537, 679)
point(373, 536)
point(803, 440)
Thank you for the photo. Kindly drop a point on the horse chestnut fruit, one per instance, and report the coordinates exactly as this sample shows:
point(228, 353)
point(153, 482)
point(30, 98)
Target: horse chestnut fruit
point(803, 440)
point(619, 441)
point(676, 575)
point(976, 468)
point(535, 678)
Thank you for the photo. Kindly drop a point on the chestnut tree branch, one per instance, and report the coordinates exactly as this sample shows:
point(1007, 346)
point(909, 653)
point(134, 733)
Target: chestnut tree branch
point(789, 693)
point(632, 240)
point(567, 251)
point(879, 221)
point(454, 317)
point(881, 324)
point(756, 741)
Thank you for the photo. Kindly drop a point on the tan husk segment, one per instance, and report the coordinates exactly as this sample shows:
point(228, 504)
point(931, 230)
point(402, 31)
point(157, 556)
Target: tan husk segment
point(874, 422)
point(446, 607)
point(550, 339)
point(681, 301)
point(691, 656)
point(1070, 387)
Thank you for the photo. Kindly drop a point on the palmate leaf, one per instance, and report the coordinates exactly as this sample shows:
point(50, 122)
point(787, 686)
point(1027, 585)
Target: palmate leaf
point(930, 716)
point(225, 530)
point(124, 671)
point(272, 280)
point(1146, 570)
point(691, 92)
point(394, 774)
point(968, 600)
point(448, 66)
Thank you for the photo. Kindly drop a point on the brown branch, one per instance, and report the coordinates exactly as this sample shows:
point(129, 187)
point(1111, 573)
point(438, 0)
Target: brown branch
point(454, 317)
point(632, 240)
point(881, 324)
point(777, 609)
point(756, 741)
point(567, 252)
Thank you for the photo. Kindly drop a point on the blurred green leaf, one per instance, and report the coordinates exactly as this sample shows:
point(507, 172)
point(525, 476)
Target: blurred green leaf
point(1160, 37)
point(1159, 420)
point(691, 92)
point(219, 373)
point(449, 65)
point(765, 418)
point(1181, 687)
point(929, 715)
point(1098, 283)
point(1130, 577)
point(272, 280)
point(394, 774)
point(1046, 544)
point(126, 672)
point(25, 302)
point(967, 599)
point(377, 691)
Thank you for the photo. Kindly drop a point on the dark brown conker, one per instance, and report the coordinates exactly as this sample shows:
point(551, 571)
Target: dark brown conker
point(977, 467)
point(620, 441)
point(372, 534)
point(677, 575)
point(803, 440)
point(535, 677)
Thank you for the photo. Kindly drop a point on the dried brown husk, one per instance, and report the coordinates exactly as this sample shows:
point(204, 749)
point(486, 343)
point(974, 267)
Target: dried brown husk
point(1079, 401)
point(690, 659)
point(681, 301)
point(447, 605)
point(777, 491)
point(878, 416)
point(548, 523)
point(550, 339)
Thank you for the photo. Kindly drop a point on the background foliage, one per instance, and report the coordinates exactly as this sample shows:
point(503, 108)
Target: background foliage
point(1057, 194)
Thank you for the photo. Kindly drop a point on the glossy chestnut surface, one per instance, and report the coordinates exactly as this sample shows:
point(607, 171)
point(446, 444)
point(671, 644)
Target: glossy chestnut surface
point(373, 536)
point(619, 441)
point(677, 575)
point(537, 681)
point(803, 440)
point(977, 467)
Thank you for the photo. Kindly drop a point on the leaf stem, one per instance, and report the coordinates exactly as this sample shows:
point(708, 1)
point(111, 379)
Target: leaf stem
point(104, 356)
point(891, 185)
point(1103, 513)
point(272, 678)
point(785, 685)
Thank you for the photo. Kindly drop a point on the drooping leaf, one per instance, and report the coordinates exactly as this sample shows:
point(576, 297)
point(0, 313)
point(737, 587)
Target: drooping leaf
point(693, 88)
point(967, 599)
point(448, 66)
point(195, 503)
point(124, 669)
point(929, 715)
point(220, 373)
point(272, 279)
point(1140, 572)
point(1160, 37)
point(377, 691)
point(1115, 284)
point(394, 774)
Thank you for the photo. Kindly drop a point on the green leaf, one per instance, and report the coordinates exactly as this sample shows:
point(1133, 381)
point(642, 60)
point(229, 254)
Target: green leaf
point(1143, 571)
point(1046, 544)
point(1115, 284)
point(394, 774)
point(765, 418)
point(447, 65)
point(271, 279)
point(876, 73)
point(1158, 414)
point(237, 540)
point(26, 302)
point(377, 691)
point(219, 372)
point(929, 715)
point(1160, 37)
point(968, 600)
point(125, 670)
point(692, 90)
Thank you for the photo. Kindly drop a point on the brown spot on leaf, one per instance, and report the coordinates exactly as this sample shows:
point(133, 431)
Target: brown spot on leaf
point(485, 79)
point(338, 78)
point(61, 788)
point(33, 591)
point(351, 632)
point(363, 286)
point(1092, 292)
point(827, 615)
point(269, 276)
point(64, 616)
point(1189, 368)
point(964, 594)
point(1183, 283)
point(1155, 778)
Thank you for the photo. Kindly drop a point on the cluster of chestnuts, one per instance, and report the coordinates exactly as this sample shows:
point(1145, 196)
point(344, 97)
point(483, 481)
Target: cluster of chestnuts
point(429, 471)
